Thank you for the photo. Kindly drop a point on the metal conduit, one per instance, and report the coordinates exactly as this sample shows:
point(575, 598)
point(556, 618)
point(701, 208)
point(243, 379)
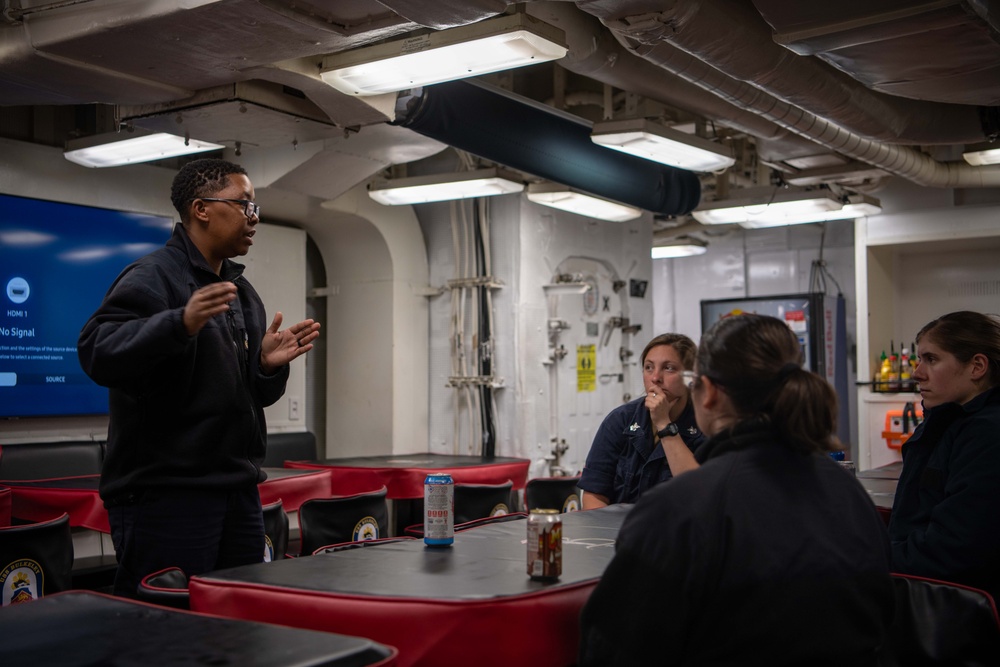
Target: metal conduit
point(594, 53)
point(733, 38)
point(903, 161)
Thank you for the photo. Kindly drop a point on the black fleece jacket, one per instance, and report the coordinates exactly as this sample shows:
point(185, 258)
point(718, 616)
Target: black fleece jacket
point(185, 410)
point(946, 514)
point(764, 557)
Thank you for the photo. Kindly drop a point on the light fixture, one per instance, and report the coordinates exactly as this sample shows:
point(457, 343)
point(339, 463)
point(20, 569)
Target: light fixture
point(488, 46)
point(982, 155)
point(683, 246)
point(756, 208)
point(115, 149)
point(653, 141)
point(569, 199)
point(443, 187)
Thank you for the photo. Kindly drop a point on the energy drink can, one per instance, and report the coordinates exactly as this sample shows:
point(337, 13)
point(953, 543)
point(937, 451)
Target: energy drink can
point(439, 510)
point(544, 545)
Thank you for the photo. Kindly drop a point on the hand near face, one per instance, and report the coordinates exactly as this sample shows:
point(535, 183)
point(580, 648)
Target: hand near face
point(281, 347)
point(659, 405)
point(206, 303)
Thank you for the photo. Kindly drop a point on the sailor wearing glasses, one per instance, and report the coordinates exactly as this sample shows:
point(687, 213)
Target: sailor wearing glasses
point(182, 343)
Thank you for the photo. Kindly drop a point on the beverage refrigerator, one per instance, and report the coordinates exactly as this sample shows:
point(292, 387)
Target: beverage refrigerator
point(819, 321)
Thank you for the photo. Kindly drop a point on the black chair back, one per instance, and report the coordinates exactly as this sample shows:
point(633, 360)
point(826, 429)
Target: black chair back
point(36, 559)
point(283, 447)
point(50, 460)
point(275, 531)
point(941, 623)
point(168, 588)
point(552, 493)
point(476, 501)
point(326, 521)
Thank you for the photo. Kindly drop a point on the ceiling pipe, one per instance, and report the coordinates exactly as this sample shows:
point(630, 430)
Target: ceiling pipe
point(903, 161)
point(593, 53)
point(733, 38)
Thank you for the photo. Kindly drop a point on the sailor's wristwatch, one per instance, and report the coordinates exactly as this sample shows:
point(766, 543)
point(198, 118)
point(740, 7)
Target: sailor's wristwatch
point(670, 429)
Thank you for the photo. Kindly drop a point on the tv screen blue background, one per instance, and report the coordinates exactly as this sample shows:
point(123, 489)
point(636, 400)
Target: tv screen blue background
point(56, 263)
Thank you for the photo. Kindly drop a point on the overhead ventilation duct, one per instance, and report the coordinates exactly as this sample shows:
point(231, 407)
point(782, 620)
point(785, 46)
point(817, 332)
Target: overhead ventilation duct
point(909, 163)
point(523, 135)
point(731, 38)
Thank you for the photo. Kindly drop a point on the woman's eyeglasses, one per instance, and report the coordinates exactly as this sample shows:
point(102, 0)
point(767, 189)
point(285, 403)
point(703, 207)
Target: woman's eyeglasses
point(250, 208)
point(689, 378)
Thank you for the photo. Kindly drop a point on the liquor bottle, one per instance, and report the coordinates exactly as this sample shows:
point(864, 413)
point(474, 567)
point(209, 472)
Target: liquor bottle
point(905, 375)
point(893, 384)
point(882, 379)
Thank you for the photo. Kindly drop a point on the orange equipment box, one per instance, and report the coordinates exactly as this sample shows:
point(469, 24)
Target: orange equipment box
point(899, 424)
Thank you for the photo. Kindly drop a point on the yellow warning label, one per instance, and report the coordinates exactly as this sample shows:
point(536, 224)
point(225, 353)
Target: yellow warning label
point(586, 368)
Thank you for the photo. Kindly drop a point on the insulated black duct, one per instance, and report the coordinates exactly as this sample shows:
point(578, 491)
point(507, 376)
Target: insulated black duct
point(519, 134)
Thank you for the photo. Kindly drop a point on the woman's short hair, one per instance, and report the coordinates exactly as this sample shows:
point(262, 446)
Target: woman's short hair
point(200, 178)
point(757, 361)
point(966, 333)
point(683, 346)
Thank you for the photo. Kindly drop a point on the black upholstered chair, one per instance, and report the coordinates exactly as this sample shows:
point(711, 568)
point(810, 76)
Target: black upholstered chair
point(281, 447)
point(275, 531)
point(50, 460)
point(552, 493)
point(941, 623)
point(326, 521)
point(36, 559)
point(168, 588)
point(476, 501)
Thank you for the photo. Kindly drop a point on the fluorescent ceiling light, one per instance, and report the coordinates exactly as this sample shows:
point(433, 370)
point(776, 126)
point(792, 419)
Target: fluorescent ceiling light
point(681, 247)
point(574, 201)
point(488, 46)
point(756, 208)
point(443, 187)
point(652, 141)
point(983, 157)
point(115, 149)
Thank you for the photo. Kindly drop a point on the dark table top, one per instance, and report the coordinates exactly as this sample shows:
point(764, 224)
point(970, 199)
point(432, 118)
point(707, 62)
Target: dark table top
point(403, 474)
point(81, 483)
point(881, 491)
point(423, 460)
point(41, 499)
point(92, 482)
point(880, 483)
point(469, 604)
point(890, 471)
point(484, 563)
point(84, 628)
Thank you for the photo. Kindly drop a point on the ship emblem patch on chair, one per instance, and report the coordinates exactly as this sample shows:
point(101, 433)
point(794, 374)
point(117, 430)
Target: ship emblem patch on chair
point(22, 581)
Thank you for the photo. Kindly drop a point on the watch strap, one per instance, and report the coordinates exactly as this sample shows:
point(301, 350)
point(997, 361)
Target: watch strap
point(670, 429)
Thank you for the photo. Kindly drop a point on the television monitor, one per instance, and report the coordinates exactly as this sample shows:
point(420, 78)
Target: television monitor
point(56, 263)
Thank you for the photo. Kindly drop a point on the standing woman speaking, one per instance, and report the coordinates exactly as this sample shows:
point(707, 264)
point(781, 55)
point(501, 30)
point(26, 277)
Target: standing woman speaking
point(767, 554)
